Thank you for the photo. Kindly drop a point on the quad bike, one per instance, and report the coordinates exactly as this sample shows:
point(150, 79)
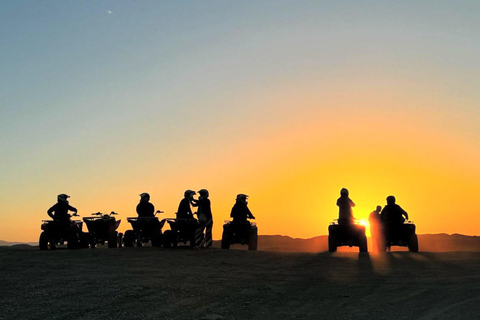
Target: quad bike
point(402, 235)
point(346, 235)
point(57, 232)
point(144, 229)
point(243, 233)
point(102, 228)
point(181, 231)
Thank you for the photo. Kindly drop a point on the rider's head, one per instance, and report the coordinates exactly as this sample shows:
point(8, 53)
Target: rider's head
point(189, 194)
point(390, 200)
point(344, 192)
point(144, 197)
point(63, 197)
point(203, 193)
point(378, 209)
point(242, 198)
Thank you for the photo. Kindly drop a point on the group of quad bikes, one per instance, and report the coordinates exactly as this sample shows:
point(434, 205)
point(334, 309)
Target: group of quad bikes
point(102, 229)
point(353, 235)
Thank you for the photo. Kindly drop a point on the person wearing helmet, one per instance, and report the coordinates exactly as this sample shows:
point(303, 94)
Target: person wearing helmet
point(240, 211)
point(59, 211)
point(392, 214)
point(145, 209)
point(345, 204)
point(184, 211)
point(205, 219)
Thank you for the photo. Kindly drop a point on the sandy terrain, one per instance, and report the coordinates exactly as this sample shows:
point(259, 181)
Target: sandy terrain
point(152, 283)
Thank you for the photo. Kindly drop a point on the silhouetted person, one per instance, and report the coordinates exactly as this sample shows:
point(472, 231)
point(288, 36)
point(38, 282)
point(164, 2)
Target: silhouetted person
point(240, 212)
point(393, 216)
point(145, 209)
point(184, 211)
point(375, 221)
point(59, 211)
point(205, 219)
point(345, 204)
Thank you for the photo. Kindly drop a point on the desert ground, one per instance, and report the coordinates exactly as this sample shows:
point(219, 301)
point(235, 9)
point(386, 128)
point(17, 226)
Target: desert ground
point(157, 283)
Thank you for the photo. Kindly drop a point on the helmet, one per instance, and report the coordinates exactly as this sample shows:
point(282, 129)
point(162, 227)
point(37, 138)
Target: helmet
point(390, 200)
point(144, 197)
point(203, 192)
point(189, 193)
point(378, 209)
point(344, 192)
point(242, 197)
point(63, 197)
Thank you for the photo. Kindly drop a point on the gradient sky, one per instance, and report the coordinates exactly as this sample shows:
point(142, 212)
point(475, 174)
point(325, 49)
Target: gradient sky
point(286, 101)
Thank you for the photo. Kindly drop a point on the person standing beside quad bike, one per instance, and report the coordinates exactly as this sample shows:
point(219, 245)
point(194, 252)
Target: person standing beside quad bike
point(205, 220)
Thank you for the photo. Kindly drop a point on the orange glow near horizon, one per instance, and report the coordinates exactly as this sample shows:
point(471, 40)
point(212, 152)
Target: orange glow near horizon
point(294, 176)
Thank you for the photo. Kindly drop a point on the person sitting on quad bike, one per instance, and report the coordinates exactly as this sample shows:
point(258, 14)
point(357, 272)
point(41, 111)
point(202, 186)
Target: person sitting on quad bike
point(185, 219)
point(59, 211)
point(205, 219)
point(145, 209)
point(393, 216)
point(345, 204)
point(240, 212)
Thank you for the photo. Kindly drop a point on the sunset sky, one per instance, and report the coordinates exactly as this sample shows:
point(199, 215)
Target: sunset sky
point(286, 101)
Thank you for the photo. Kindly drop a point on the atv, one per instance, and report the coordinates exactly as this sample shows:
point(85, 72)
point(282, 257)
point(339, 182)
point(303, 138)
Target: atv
point(57, 232)
point(347, 235)
point(403, 235)
point(145, 229)
point(243, 233)
point(102, 228)
point(181, 231)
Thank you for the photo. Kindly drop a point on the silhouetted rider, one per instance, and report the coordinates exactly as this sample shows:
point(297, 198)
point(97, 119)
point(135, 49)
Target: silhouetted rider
point(240, 211)
point(145, 209)
point(345, 204)
point(392, 214)
point(205, 219)
point(59, 211)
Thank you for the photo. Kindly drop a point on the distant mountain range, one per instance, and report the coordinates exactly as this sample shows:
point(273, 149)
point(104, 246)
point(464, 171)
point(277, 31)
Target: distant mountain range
point(427, 242)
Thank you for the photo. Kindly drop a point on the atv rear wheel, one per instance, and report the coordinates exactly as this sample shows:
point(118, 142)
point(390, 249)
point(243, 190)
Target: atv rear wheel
point(413, 243)
point(73, 241)
point(362, 246)
point(167, 239)
point(225, 240)
point(332, 243)
point(43, 241)
point(157, 239)
point(112, 240)
point(253, 238)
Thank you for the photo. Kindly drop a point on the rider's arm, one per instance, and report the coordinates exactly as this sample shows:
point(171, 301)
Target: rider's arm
point(249, 214)
point(72, 208)
point(351, 203)
point(50, 211)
